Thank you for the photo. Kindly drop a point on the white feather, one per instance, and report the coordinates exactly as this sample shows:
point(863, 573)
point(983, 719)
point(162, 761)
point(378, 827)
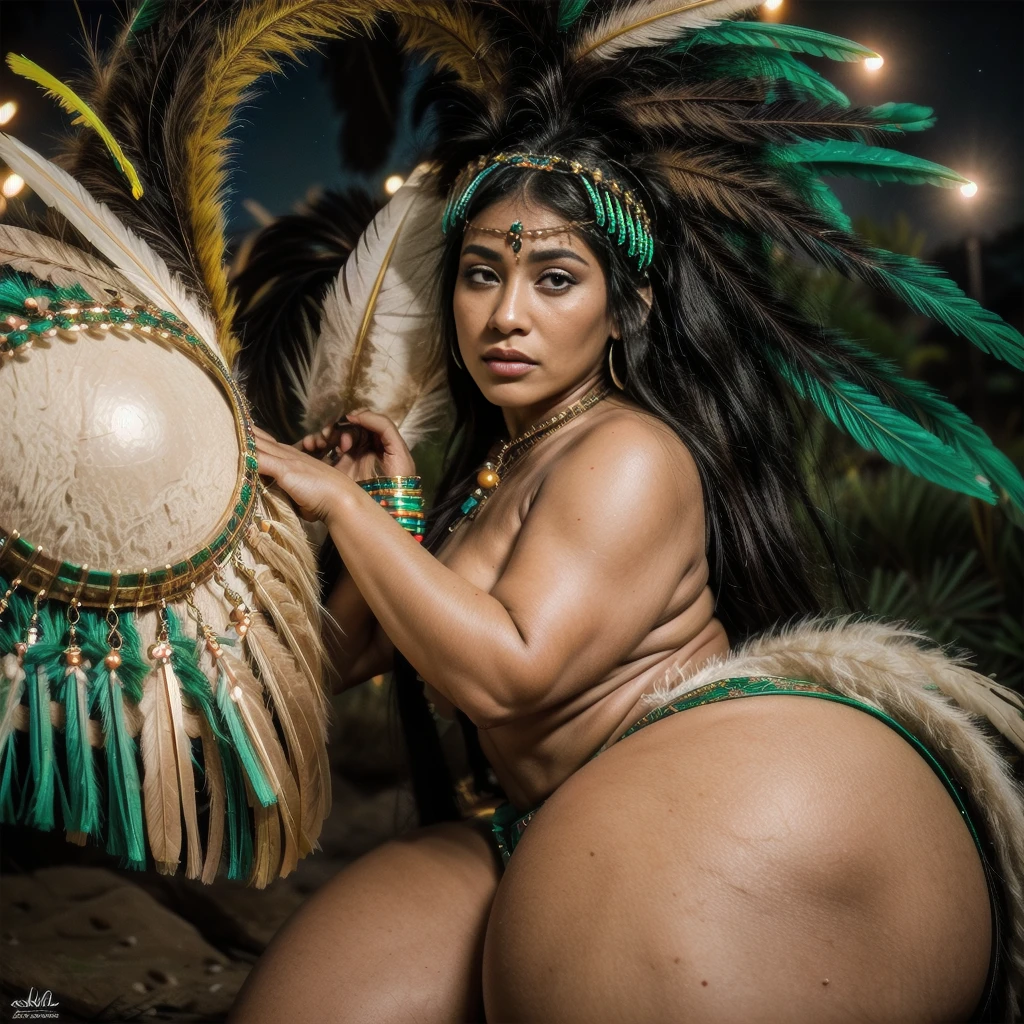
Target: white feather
point(129, 254)
point(52, 260)
point(379, 343)
point(652, 23)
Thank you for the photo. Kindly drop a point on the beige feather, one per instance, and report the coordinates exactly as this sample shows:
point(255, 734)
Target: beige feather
point(63, 265)
point(266, 863)
point(214, 771)
point(248, 695)
point(144, 269)
point(290, 621)
point(304, 726)
point(378, 335)
point(270, 548)
point(14, 673)
point(290, 530)
point(160, 778)
point(901, 672)
point(651, 23)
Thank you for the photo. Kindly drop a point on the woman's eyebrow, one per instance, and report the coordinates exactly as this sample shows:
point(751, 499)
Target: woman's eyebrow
point(482, 250)
point(542, 255)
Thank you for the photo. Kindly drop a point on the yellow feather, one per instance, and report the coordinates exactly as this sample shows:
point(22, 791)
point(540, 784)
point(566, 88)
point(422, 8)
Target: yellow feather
point(256, 41)
point(74, 104)
point(456, 38)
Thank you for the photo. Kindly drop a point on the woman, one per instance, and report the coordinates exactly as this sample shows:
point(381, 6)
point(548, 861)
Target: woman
point(750, 860)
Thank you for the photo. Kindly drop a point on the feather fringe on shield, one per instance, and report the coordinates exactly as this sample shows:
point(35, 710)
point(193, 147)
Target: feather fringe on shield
point(901, 672)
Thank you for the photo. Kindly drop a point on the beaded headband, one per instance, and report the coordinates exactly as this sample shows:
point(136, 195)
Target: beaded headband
point(616, 209)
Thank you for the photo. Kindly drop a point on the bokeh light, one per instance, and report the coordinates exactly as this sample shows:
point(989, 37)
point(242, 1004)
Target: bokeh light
point(873, 63)
point(392, 183)
point(7, 111)
point(12, 185)
point(969, 190)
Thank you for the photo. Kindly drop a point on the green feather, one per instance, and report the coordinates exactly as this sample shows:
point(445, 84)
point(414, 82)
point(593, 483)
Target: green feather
point(936, 414)
point(83, 814)
point(241, 742)
point(878, 427)
point(874, 163)
point(16, 287)
point(125, 828)
point(774, 64)
point(926, 289)
point(792, 38)
point(817, 195)
point(42, 666)
point(145, 15)
point(905, 117)
point(569, 12)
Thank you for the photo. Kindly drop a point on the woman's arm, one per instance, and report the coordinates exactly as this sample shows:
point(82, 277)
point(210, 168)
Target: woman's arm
point(611, 532)
point(364, 444)
point(357, 647)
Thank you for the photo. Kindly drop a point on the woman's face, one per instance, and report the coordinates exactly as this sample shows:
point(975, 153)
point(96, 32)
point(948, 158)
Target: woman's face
point(534, 330)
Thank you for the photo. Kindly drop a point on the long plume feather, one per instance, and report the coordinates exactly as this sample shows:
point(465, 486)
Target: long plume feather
point(379, 341)
point(651, 23)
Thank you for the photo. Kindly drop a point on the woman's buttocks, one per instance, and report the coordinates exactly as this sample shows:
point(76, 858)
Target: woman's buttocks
point(772, 859)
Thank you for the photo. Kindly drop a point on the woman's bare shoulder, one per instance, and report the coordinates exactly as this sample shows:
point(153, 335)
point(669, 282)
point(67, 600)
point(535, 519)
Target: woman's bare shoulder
point(625, 436)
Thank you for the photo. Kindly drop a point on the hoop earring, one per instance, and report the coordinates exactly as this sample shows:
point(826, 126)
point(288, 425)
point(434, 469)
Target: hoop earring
point(611, 368)
point(455, 356)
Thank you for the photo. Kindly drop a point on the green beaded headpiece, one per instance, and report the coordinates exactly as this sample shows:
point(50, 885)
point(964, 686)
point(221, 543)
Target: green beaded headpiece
point(616, 209)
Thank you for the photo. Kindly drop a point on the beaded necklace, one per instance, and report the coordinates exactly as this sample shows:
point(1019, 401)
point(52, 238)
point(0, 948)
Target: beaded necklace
point(512, 452)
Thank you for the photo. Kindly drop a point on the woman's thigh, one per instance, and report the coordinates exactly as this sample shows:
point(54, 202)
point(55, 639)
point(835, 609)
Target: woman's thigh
point(396, 936)
point(770, 859)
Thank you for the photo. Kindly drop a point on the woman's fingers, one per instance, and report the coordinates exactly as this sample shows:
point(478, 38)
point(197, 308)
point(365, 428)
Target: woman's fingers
point(395, 454)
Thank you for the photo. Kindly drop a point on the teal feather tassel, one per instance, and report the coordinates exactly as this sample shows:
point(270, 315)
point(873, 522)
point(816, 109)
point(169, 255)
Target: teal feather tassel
point(876, 426)
point(12, 679)
point(873, 163)
point(791, 38)
point(83, 814)
point(196, 686)
point(42, 667)
point(241, 742)
point(16, 287)
point(125, 828)
point(569, 12)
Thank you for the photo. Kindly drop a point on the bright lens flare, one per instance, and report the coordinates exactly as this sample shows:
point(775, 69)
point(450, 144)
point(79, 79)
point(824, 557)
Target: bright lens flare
point(874, 63)
point(12, 185)
point(392, 183)
point(7, 111)
point(970, 189)
point(772, 5)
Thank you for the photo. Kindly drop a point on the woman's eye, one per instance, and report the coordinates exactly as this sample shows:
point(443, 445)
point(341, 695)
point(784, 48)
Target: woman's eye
point(479, 275)
point(558, 280)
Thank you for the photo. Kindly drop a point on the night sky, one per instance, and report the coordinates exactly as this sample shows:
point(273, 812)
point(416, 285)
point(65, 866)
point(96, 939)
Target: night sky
point(961, 57)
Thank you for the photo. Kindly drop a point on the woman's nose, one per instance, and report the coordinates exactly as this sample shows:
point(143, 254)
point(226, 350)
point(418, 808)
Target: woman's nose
point(511, 313)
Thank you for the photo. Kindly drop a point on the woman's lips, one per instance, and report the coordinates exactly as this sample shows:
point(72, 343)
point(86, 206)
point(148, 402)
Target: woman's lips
point(508, 367)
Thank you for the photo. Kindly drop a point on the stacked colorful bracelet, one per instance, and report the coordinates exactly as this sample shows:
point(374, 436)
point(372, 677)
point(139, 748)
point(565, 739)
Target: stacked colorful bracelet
point(402, 496)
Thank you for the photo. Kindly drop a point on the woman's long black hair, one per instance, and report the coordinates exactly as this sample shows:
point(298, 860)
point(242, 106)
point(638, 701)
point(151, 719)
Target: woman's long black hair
point(689, 363)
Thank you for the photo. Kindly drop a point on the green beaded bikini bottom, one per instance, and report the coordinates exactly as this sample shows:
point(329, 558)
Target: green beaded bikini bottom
point(508, 824)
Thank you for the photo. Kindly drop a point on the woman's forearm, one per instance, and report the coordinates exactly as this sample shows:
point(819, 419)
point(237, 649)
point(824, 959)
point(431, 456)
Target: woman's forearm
point(448, 628)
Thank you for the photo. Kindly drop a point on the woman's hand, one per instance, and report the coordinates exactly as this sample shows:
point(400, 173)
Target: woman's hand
point(360, 441)
point(311, 483)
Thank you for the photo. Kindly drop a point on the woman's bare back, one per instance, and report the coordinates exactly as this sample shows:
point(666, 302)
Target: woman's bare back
point(534, 754)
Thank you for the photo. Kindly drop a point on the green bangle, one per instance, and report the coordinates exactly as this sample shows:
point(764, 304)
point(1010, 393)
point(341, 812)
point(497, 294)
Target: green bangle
point(378, 482)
